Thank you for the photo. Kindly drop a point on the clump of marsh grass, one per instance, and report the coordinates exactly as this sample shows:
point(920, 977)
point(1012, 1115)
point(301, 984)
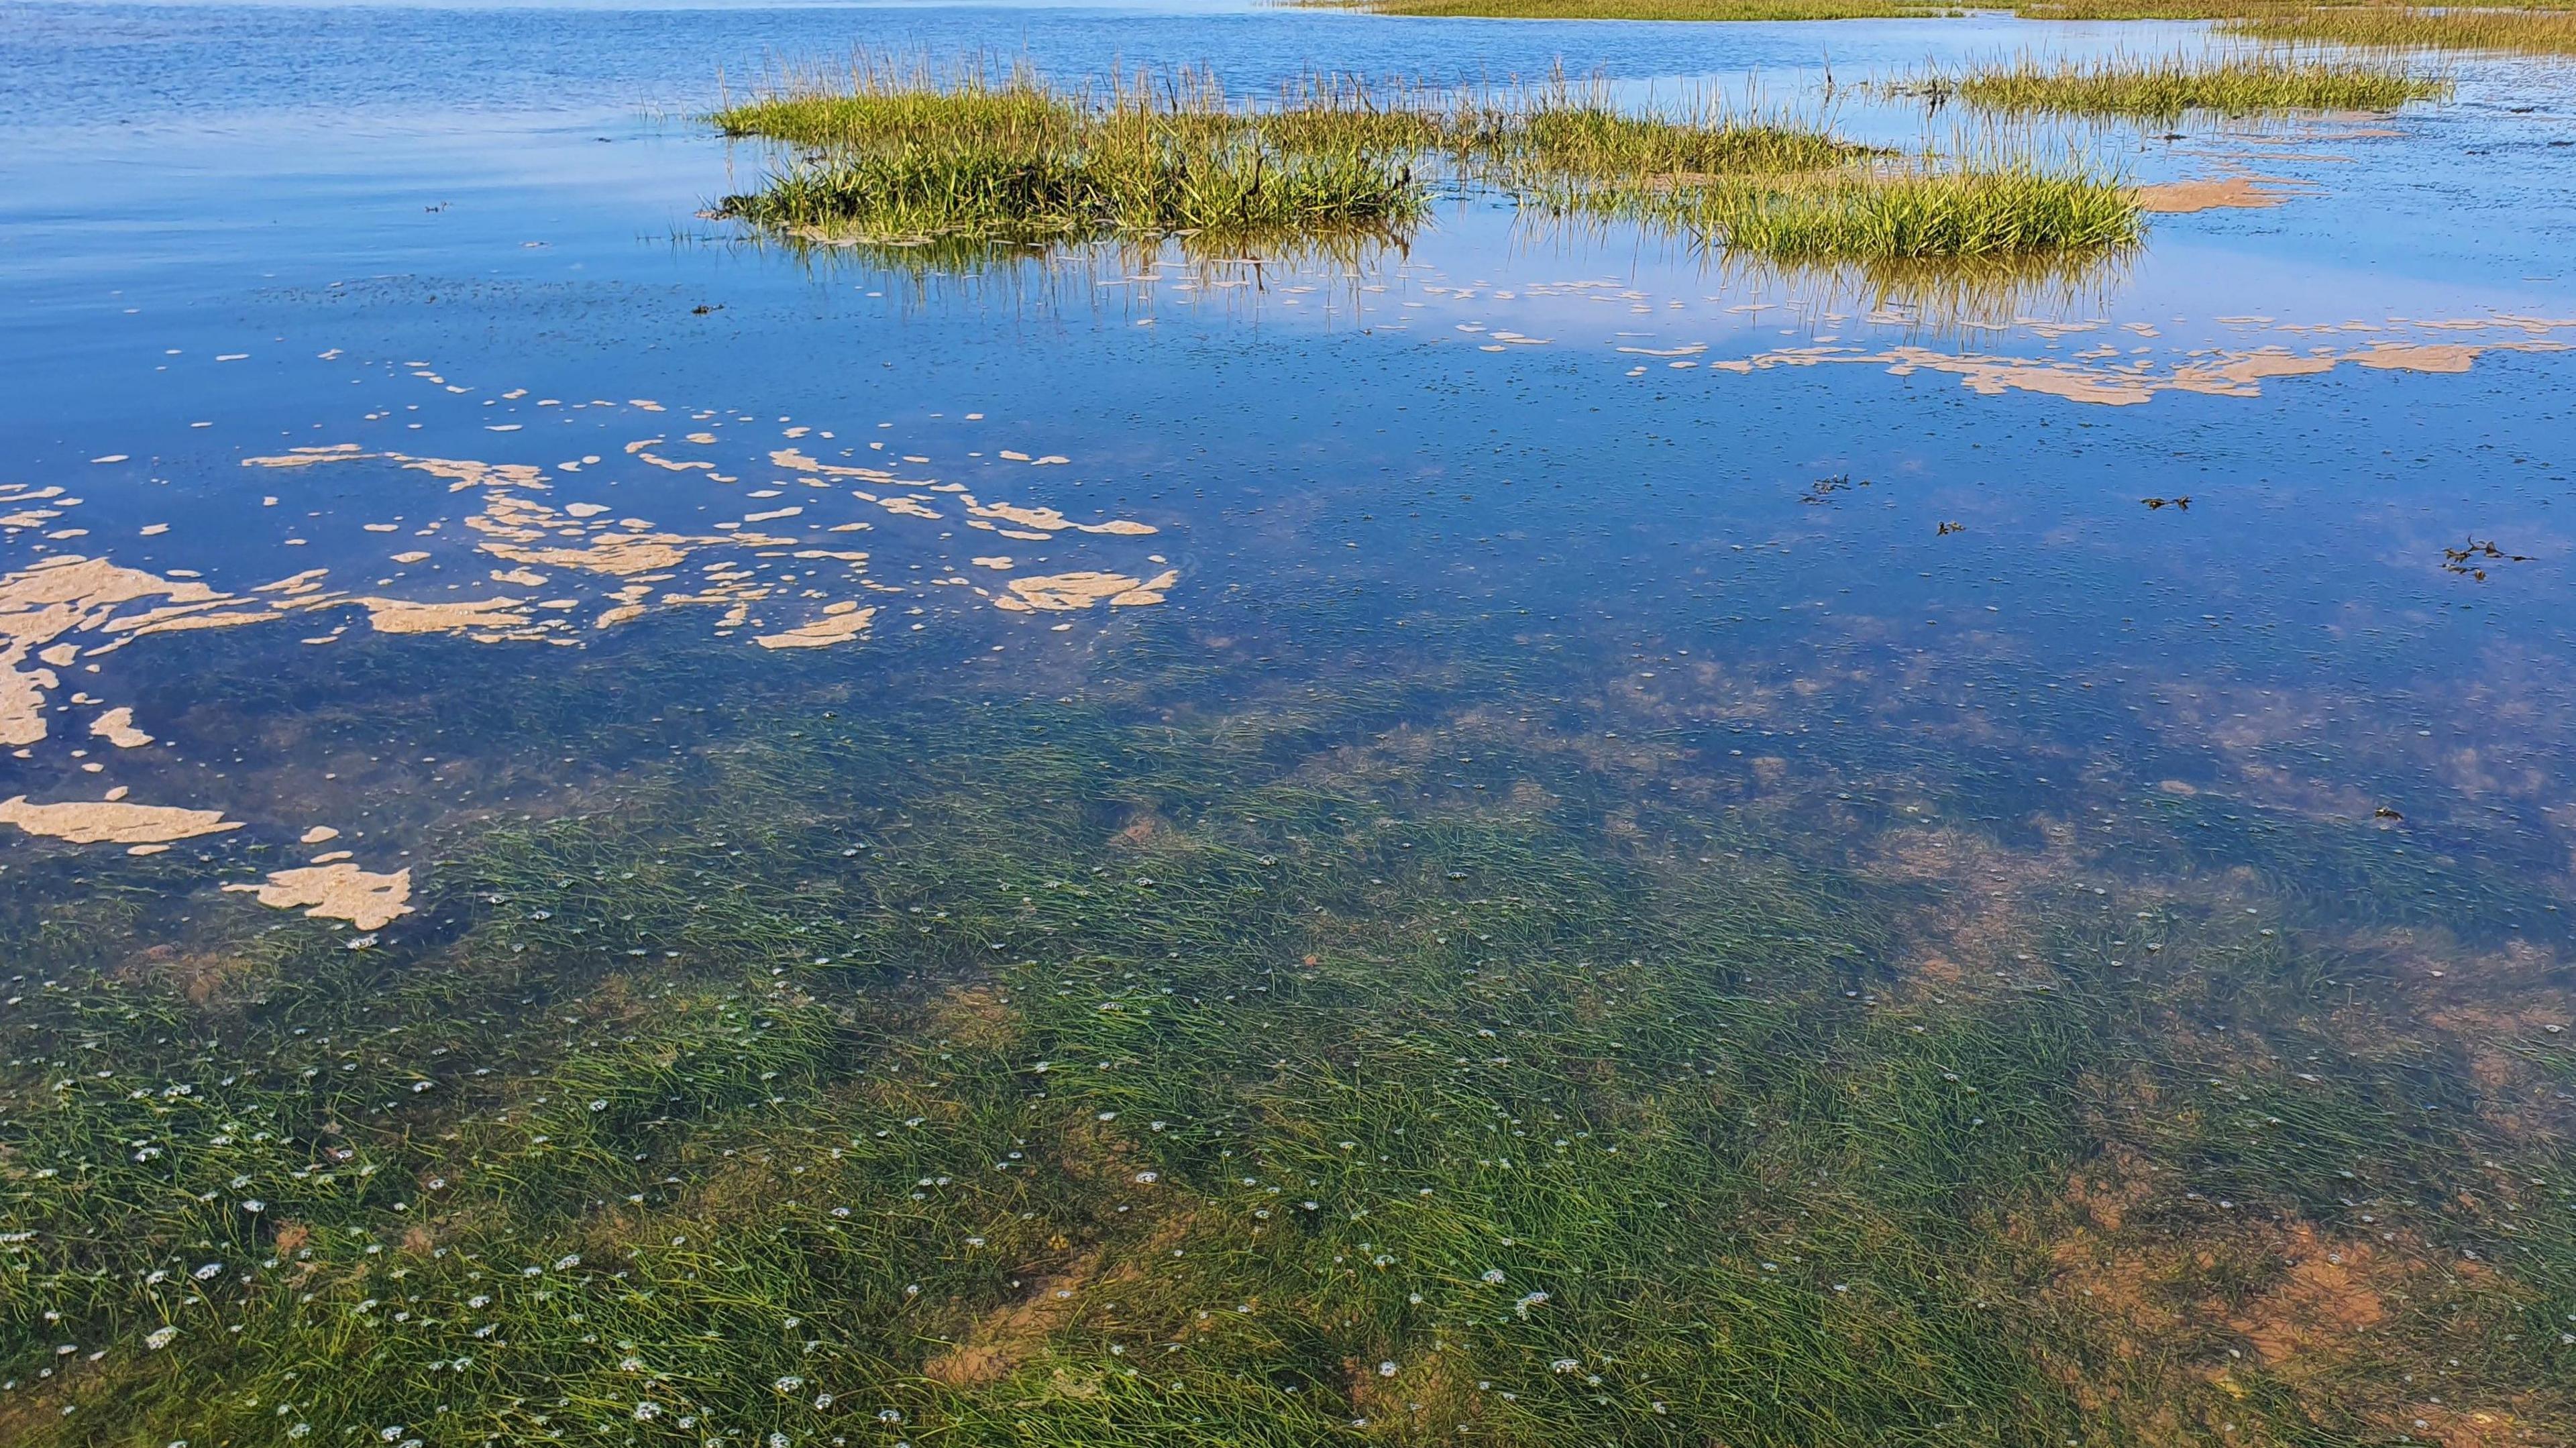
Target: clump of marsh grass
point(2163, 88)
point(2539, 32)
point(1652, 9)
point(2016, 210)
point(905, 160)
point(877, 102)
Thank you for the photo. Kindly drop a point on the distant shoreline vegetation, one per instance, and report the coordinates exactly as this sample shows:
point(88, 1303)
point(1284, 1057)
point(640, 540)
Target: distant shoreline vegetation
point(2546, 27)
point(907, 159)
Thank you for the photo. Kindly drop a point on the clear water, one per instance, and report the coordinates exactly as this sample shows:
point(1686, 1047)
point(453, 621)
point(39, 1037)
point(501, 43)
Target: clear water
point(1710, 566)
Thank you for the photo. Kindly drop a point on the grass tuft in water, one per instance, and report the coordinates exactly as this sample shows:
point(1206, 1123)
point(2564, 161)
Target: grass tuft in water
point(1651, 9)
point(905, 161)
point(2163, 88)
point(2539, 32)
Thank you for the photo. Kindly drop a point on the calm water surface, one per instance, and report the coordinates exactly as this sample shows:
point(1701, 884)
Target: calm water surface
point(400, 470)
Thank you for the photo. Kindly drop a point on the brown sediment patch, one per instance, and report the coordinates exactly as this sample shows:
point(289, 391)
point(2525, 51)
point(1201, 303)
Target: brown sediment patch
point(1985, 917)
point(1072, 592)
point(317, 835)
point(116, 726)
point(90, 822)
point(840, 622)
point(2175, 198)
point(977, 1016)
point(2322, 1298)
point(1002, 1340)
point(337, 892)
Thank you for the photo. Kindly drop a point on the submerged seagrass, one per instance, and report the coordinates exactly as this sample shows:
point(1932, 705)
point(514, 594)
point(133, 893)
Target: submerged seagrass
point(1218, 1081)
point(909, 159)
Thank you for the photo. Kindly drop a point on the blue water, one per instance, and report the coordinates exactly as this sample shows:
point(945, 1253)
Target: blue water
point(232, 231)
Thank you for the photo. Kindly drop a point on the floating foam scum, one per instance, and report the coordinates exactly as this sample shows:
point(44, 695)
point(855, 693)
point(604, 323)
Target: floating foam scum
point(92, 822)
point(1072, 592)
point(839, 621)
point(337, 892)
point(2176, 198)
point(62, 609)
point(116, 726)
point(71, 595)
point(2225, 374)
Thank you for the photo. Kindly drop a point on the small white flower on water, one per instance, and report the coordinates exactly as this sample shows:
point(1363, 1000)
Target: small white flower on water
point(912, 1289)
point(777, 1440)
point(630, 1365)
point(1386, 1370)
point(1494, 1275)
point(788, 1384)
point(160, 1337)
point(208, 1272)
point(254, 1206)
point(822, 1400)
point(1149, 1177)
point(889, 1415)
point(599, 1105)
point(564, 1264)
point(1523, 1306)
point(646, 1412)
point(390, 1434)
point(1564, 1365)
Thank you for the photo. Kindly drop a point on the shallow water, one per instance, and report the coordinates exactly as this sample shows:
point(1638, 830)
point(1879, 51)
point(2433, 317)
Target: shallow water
point(2129, 685)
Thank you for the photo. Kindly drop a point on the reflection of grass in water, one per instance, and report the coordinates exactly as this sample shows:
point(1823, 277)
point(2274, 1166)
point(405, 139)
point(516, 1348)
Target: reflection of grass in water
point(910, 166)
point(1264, 1065)
point(2163, 88)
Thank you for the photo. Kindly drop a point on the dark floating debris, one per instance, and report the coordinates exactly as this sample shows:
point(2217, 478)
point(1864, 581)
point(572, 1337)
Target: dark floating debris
point(2153, 503)
point(2473, 556)
point(1823, 489)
